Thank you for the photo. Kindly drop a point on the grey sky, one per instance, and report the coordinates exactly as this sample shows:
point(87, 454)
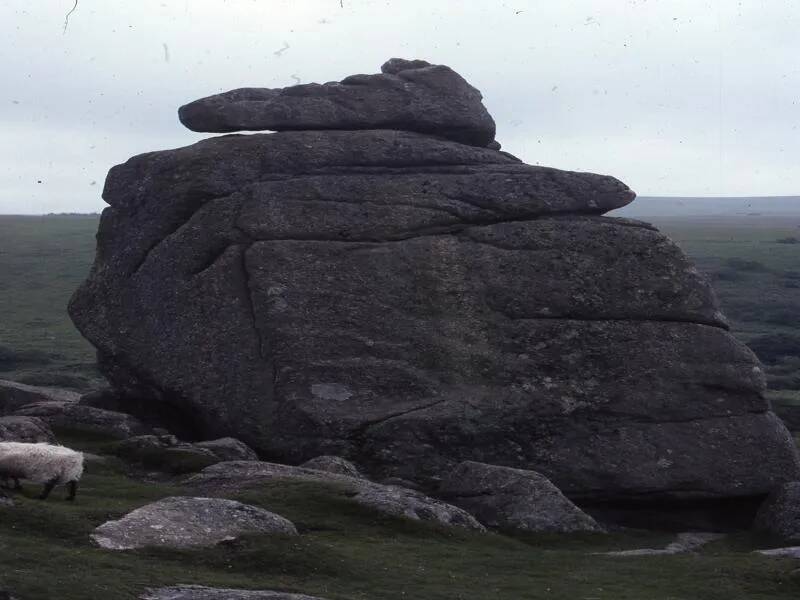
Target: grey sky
point(673, 97)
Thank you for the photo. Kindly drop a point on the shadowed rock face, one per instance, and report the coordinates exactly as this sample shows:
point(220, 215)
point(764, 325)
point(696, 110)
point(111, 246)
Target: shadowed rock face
point(407, 95)
point(779, 516)
point(411, 302)
point(514, 499)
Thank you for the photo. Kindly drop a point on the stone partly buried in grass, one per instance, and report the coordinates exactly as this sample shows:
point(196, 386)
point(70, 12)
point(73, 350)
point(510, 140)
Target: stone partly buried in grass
point(199, 592)
point(409, 302)
point(186, 522)
point(228, 477)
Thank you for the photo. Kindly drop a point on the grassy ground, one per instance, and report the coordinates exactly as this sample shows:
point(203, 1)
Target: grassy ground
point(349, 552)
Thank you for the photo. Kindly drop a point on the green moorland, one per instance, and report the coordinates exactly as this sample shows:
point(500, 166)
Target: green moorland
point(346, 551)
point(754, 265)
point(43, 259)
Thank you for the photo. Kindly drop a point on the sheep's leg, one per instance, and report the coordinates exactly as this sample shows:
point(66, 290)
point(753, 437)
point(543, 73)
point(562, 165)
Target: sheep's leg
point(48, 487)
point(72, 486)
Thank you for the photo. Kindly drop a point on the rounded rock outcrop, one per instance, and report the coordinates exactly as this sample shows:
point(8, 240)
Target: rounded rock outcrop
point(395, 294)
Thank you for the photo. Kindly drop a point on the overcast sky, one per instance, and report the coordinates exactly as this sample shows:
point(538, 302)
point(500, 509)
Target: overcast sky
point(674, 97)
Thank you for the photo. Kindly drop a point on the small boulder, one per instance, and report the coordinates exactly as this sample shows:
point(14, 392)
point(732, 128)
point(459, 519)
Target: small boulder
point(227, 477)
point(199, 592)
point(25, 429)
point(184, 522)
point(165, 452)
point(514, 499)
point(779, 515)
point(79, 417)
point(332, 464)
point(14, 395)
point(228, 448)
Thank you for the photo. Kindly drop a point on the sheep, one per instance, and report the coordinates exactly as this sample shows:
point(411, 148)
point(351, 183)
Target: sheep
point(41, 463)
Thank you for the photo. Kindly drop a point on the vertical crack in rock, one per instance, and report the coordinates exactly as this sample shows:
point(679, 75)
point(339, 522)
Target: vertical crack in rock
point(263, 344)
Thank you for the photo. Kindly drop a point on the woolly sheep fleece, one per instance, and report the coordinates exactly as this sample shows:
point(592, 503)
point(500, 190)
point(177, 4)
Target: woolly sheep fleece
point(40, 463)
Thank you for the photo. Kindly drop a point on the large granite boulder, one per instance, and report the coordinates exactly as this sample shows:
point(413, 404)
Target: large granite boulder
point(514, 499)
point(184, 522)
point(410, 302)
point(406, 95)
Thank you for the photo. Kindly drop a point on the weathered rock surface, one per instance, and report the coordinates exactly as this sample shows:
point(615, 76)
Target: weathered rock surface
point(396, 501)
point(513, 499)
point(184, 522)
point(25, 429)
point(166, 453)
point(228, 448)
point(170, 454)
point(332, 464)
point(685, 542)
point(199, 592)
point(406, 96)
point(14, 395)
point(410, 302)
point(779, 515)
point(79, 417)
